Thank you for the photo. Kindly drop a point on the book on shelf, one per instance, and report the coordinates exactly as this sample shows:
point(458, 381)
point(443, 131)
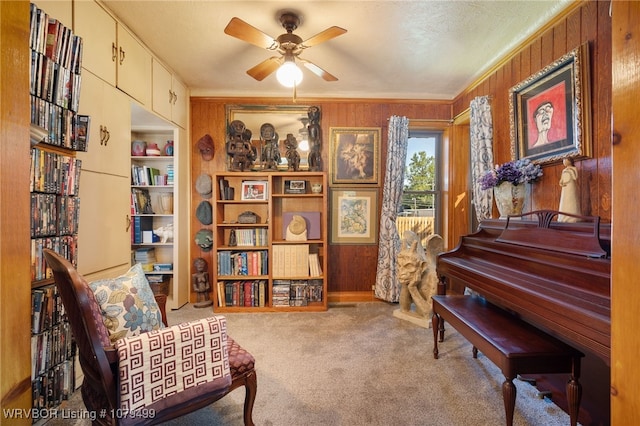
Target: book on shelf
point(315, 270)
point(141, 224)
point(242, 293)
point(251, 237)
point(291, 260)
point(141, 201)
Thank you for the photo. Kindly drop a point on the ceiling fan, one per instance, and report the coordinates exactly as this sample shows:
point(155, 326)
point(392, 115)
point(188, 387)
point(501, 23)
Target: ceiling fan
point(289, 45)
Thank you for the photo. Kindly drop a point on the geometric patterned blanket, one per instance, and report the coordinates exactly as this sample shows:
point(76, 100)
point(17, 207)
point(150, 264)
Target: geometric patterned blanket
point(170, 365)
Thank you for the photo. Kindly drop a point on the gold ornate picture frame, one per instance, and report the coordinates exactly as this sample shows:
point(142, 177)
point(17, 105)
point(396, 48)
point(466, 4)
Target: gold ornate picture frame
point(550, 112)
point(355, 155)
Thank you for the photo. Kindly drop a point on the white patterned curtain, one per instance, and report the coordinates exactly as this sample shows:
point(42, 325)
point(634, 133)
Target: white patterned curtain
point(481, 128)
point(387, 285)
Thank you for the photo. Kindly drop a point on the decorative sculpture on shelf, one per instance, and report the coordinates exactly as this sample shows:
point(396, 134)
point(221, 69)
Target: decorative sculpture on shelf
point(165, 233)
point(293, 157)
point(315, 139)
point(418, 278)
point(270, 153)
point(239, 147)
point(201, 284)
point(569, 195)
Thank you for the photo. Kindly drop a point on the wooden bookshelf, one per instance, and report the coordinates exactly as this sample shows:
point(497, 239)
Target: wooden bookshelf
point(57, 133)
point(259, 254)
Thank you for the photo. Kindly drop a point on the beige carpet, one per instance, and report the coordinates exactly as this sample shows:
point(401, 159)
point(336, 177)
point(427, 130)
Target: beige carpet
point(357, 364)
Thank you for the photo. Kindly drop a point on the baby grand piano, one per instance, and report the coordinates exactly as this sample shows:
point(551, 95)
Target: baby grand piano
point(553, 275)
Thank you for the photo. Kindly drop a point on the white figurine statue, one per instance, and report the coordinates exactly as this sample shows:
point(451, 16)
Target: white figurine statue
point(569, 196)
point(165, 233)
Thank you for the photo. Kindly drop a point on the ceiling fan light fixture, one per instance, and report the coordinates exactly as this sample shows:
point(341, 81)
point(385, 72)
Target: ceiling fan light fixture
point(289, 74)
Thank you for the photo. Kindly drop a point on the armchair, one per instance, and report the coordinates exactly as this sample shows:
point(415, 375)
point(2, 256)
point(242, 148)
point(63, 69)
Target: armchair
point(154, 376)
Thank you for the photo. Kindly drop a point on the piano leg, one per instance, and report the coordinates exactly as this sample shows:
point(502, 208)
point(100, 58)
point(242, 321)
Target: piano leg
point(574, 392)
point(435, 321)
point(509, 396)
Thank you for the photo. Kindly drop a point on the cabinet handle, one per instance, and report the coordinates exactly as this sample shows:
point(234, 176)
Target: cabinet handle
point(128, 223)
point(107, 135)
point(170, 96)
point(102, 130)
point(175, 97)
point(121, 56)
point(114, 52)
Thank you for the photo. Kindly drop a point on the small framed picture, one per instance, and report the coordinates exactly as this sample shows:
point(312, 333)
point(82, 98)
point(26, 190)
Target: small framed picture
point(295, 186)
point(254, 190)
point(354, 215)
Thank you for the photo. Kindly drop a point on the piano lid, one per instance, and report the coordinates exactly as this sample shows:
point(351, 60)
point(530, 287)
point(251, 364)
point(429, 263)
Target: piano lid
point(565, 241)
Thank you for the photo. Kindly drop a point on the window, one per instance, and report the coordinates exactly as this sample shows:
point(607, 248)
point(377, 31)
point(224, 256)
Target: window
point(419, 209)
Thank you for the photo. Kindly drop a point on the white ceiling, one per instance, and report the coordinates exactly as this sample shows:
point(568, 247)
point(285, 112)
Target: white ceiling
point(392, 49)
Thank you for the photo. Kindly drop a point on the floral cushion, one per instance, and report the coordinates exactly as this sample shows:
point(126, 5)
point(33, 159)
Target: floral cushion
point(127, 304)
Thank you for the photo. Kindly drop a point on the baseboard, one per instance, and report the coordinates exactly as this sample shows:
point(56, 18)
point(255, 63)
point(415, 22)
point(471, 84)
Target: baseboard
point(351, 297)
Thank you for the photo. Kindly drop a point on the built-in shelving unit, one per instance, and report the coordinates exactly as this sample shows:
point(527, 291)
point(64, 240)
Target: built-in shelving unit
point(258, 267)
point(57, 133)
point(155, 224)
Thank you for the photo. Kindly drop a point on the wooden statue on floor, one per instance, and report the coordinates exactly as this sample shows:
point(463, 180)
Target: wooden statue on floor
point(418, 277)
point(201, 283)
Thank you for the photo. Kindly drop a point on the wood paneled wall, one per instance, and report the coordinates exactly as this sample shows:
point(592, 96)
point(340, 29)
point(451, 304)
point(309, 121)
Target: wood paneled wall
point(352, 268)
point(589, 22)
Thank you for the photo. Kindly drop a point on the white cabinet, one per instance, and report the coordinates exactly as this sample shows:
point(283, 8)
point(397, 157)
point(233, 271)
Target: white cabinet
point(109, 133)
point(103, 234)
point(111, 52)
point(170, 96)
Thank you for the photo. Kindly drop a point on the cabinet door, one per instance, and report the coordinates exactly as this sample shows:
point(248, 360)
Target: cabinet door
point(180, 104)
point(98, 30)
point(109, 132)
point(103, 237)
point(134, 67)
point(162, 93)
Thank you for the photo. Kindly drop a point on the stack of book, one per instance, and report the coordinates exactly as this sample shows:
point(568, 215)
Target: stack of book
point(298, 293)
point(146, 256)
point(170, 174)
point(281, 293)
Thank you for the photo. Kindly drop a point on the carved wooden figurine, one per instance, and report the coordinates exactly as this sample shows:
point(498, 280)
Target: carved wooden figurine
point(201, 284)
point(239, 147)
point(315, 139)
point(270, 153)
point(293, 157)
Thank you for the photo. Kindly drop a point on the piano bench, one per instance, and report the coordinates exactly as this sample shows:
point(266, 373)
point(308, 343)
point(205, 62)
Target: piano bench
point(514, 345)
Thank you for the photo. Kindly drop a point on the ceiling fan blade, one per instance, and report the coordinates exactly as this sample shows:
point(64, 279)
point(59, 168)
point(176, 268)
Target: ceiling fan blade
point(317, 70)
point(264, 68)
point(239, 29)
point(323, 36)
